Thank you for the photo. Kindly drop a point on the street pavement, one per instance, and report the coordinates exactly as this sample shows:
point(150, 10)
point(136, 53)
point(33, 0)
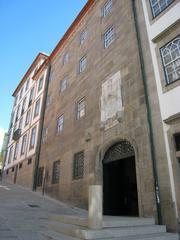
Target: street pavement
point(24, 215)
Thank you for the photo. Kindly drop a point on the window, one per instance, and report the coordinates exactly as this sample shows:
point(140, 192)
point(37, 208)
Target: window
point(171, 60)
point(15, 100)
point(23, 106)
point(82, 64)
point(27, 84)
point(107, 8)
point(158, 6)
point(108, 37)
point(20, 165)
point(40, 83)
point(83, 36)
point(21, 123)
point(10, 154)
point(31, 97)
point(23, 146)
point(33, 138)
point(80, 108)
point(16, 151)
point(29, 161)
point(44, 134)
point(40, 176)
point(60, 123)
point(78, 165)
point(21, 93)
point(63, 85)
point(17, 113)
point(28, 117)
point(66, 58)
point(177, 142)
point(56, 172)
point(12, 169)
point(37, 108)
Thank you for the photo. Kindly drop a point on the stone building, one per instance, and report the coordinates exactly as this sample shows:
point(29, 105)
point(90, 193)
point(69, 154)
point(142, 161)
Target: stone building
point(105, 118)
point(24, 125)
point(103, 122)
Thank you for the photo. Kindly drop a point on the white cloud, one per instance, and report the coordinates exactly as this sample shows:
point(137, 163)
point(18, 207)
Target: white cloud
point(2, 132)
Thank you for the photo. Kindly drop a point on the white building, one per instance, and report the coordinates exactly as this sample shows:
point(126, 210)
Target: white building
point(162, 19)
point(24, 126)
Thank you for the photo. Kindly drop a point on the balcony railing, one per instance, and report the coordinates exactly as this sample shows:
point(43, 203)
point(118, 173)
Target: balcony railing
point(17, 134)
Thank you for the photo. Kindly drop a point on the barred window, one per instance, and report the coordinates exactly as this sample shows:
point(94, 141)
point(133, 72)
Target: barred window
point(63, 85)
point(108, 37)
point(82, 64)
point(40, 176)
point(78, 165)
point(83, 36)
point(107, 8)
point(66, 58)
point(80, 108)
point(171, 60)
point(56, 172)
point(60, 123)
point(158, 6)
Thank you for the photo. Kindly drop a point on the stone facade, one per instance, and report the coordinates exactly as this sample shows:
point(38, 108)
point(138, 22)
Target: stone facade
point(89, 134)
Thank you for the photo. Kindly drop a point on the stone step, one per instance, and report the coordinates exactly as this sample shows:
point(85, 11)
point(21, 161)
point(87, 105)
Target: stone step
point(84, 233)
point(108, 221)
point(52, 235)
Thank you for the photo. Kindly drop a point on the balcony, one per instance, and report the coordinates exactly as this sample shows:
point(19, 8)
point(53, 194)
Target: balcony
point(17, 134)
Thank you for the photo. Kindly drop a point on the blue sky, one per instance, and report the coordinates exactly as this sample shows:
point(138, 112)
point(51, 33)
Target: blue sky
point(27, 28)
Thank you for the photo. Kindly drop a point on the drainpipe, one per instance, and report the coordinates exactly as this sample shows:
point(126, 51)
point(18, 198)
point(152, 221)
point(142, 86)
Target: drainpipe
point(149, 116)
point(38, 148)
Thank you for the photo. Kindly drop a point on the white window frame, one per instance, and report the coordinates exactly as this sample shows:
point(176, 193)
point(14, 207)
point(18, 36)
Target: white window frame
point(33, 138)
point(157, 7)
point(37, 108)
point(170, 54)
point(40, 83)
point(81, 108)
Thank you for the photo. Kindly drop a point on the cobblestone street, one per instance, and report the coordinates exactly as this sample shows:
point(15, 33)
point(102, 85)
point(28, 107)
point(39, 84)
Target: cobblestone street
point(24, 214)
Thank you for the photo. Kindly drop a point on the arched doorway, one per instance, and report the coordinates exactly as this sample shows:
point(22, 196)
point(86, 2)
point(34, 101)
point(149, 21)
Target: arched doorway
point(119, 181)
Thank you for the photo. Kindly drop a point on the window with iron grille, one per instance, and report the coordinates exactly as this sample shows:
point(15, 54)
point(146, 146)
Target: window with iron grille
point(82, 64)
point(78, 165)
point(158, 6)
point(171, 60)
point(66, 58)
point(56, 172)
point(107, 8)
point(40, 176)
point(60, 123)
point(108, 37)
point(81, 107)
point(37, 108)
point(83, 36)
point(40, 83)
point(63, 85)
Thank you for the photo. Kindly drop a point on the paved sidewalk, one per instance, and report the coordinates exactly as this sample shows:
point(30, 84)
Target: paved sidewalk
point(24, 214)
